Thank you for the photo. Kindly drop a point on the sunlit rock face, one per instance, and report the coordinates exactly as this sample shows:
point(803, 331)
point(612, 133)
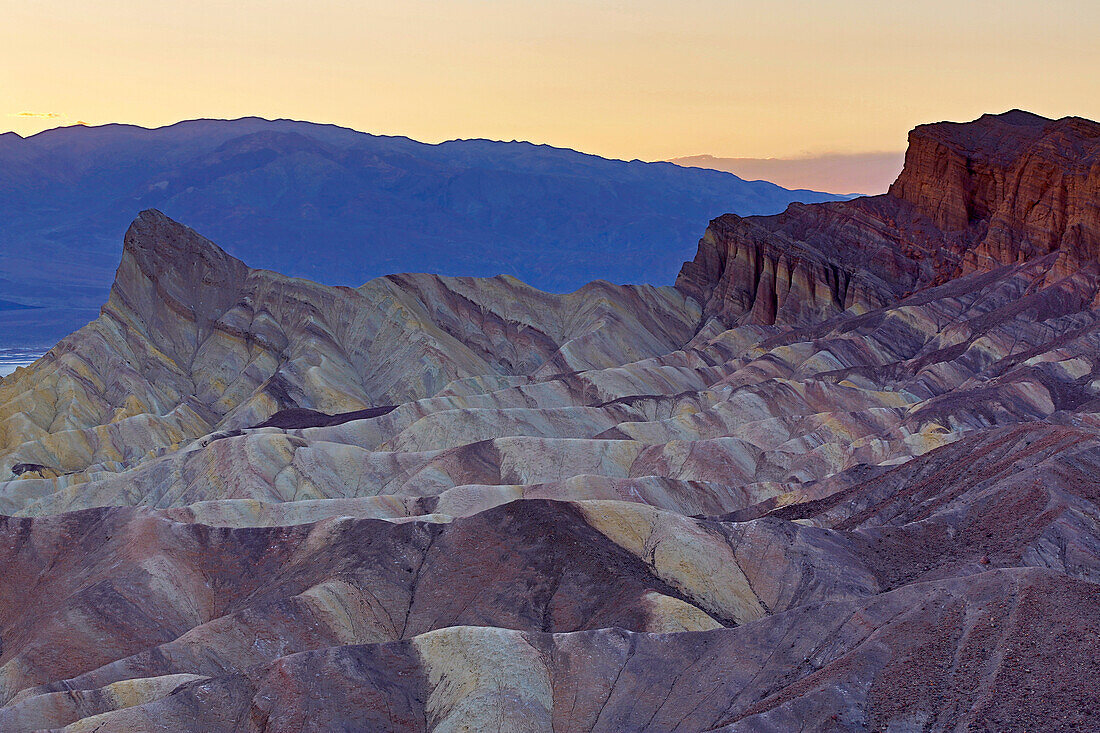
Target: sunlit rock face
point(997, 191)
point(1018, 185)
point(842, 477)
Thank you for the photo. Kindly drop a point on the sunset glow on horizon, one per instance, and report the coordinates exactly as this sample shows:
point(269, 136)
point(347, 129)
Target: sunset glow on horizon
point(649, 80)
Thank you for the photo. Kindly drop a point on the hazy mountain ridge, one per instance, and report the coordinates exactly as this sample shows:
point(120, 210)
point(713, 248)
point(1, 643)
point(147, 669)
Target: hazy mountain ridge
point(341, 206)
point(851, 173)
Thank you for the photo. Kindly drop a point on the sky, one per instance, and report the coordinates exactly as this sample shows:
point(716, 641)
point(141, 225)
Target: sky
point(638, 79)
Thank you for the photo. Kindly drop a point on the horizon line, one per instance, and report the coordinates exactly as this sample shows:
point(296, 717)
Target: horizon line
point(398, 136)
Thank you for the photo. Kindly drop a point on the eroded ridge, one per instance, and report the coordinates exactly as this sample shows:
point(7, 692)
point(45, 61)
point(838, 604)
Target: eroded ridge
point(842, 477)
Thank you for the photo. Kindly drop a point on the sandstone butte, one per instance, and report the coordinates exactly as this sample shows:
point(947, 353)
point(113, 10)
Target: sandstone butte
point(844, 476)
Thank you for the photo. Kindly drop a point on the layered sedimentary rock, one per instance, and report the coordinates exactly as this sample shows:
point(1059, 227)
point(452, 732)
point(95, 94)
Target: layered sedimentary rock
point(996, 191)
point(1017, 184)
point(843, 477)
point(191, 341)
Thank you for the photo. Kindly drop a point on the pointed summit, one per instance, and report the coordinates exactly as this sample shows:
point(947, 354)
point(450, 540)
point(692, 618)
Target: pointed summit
point(182, 265)
point(173, 282)
point(161, 241)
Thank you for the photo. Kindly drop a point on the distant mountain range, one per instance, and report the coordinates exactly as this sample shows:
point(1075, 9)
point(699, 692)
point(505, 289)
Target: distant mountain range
point(865, 173)
point(341, 207)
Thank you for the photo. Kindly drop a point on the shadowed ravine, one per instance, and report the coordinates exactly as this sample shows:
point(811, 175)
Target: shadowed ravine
point(842, 476)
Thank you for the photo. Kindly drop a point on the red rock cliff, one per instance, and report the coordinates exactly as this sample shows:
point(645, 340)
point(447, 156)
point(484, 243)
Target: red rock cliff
point(977, 195)
point(1021, 185)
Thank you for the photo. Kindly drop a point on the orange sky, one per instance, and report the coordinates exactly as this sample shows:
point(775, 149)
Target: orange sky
point(622, 79)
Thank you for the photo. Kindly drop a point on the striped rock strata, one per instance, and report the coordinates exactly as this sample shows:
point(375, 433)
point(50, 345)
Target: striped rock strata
point(1000, 190)
point(842, 478)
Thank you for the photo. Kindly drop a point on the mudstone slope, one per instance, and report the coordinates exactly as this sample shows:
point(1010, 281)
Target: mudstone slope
point(844, 476)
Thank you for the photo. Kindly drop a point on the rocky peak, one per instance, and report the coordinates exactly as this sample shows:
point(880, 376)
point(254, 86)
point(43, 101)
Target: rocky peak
point(170, 272)
point(1019, 184)
point(972, 196)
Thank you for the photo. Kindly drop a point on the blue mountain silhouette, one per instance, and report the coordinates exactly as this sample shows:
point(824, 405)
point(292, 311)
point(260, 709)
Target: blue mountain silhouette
point(341, 207)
